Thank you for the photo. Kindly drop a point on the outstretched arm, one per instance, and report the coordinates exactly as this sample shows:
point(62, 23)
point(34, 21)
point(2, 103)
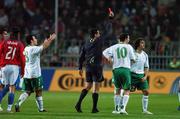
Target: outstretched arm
point(45, 44)
point(108, 25)
point(48, 41)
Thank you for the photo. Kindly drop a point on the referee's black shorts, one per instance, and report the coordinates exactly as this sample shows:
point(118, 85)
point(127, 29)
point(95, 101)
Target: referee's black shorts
point(94, 73)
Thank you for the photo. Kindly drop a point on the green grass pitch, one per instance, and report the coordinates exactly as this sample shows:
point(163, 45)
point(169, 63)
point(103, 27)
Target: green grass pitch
point(60, 105)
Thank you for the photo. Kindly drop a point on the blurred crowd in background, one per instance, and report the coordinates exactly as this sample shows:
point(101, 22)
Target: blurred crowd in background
point(158, 21)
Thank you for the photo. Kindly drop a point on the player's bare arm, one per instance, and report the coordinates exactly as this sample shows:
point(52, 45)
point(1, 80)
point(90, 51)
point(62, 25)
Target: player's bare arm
point(146, 71)
point(48, 41)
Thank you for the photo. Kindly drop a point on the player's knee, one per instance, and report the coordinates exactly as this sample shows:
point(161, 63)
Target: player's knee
point(126, 92)
point(116, 91)
point(38, 93)
point(29, 93)
point(88, 87)
point(95, 91)
point(1, 87)
point(145, 92)
point(12, 89)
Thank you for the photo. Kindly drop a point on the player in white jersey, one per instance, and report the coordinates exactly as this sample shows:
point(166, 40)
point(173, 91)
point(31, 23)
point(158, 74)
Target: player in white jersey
point(121, 55)
point(32, 77)
point(139, 73)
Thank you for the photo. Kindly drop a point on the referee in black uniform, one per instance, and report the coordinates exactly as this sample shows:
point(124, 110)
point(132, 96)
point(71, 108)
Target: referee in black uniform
point(91, 54)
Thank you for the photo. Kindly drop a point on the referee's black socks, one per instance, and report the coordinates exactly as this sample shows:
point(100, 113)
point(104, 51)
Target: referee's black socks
point(82, 95)
point(95, 97)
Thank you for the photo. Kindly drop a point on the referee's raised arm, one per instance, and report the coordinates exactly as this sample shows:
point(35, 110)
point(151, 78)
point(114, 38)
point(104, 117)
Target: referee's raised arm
point(107, 27)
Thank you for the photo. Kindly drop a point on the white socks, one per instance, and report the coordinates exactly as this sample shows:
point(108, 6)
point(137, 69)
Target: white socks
point(39, 102)
point(121, 97)
point(9, 108)
point(116, 102)
point(125, 101)
point(145, 102)
point(22, 98)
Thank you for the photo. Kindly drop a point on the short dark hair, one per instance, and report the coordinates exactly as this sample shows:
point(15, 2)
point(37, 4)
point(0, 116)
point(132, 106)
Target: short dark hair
point(28, 39)
point(93, 31)
point(137, 43)
point(15, 29)
point(2, 30)
point(123, 36)
point(14, 32)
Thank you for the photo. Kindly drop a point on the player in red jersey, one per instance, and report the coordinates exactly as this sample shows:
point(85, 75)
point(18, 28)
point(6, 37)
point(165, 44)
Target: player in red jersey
point(3, 36)
point(13, 59)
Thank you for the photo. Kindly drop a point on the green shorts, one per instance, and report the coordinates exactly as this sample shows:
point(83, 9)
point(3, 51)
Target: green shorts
point(122, 78)
point(32, 84)
point(115, 88)
point(136, 81)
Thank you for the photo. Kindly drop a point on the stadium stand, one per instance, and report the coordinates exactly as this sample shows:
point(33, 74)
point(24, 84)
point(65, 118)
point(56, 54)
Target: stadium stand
point(156, 20)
